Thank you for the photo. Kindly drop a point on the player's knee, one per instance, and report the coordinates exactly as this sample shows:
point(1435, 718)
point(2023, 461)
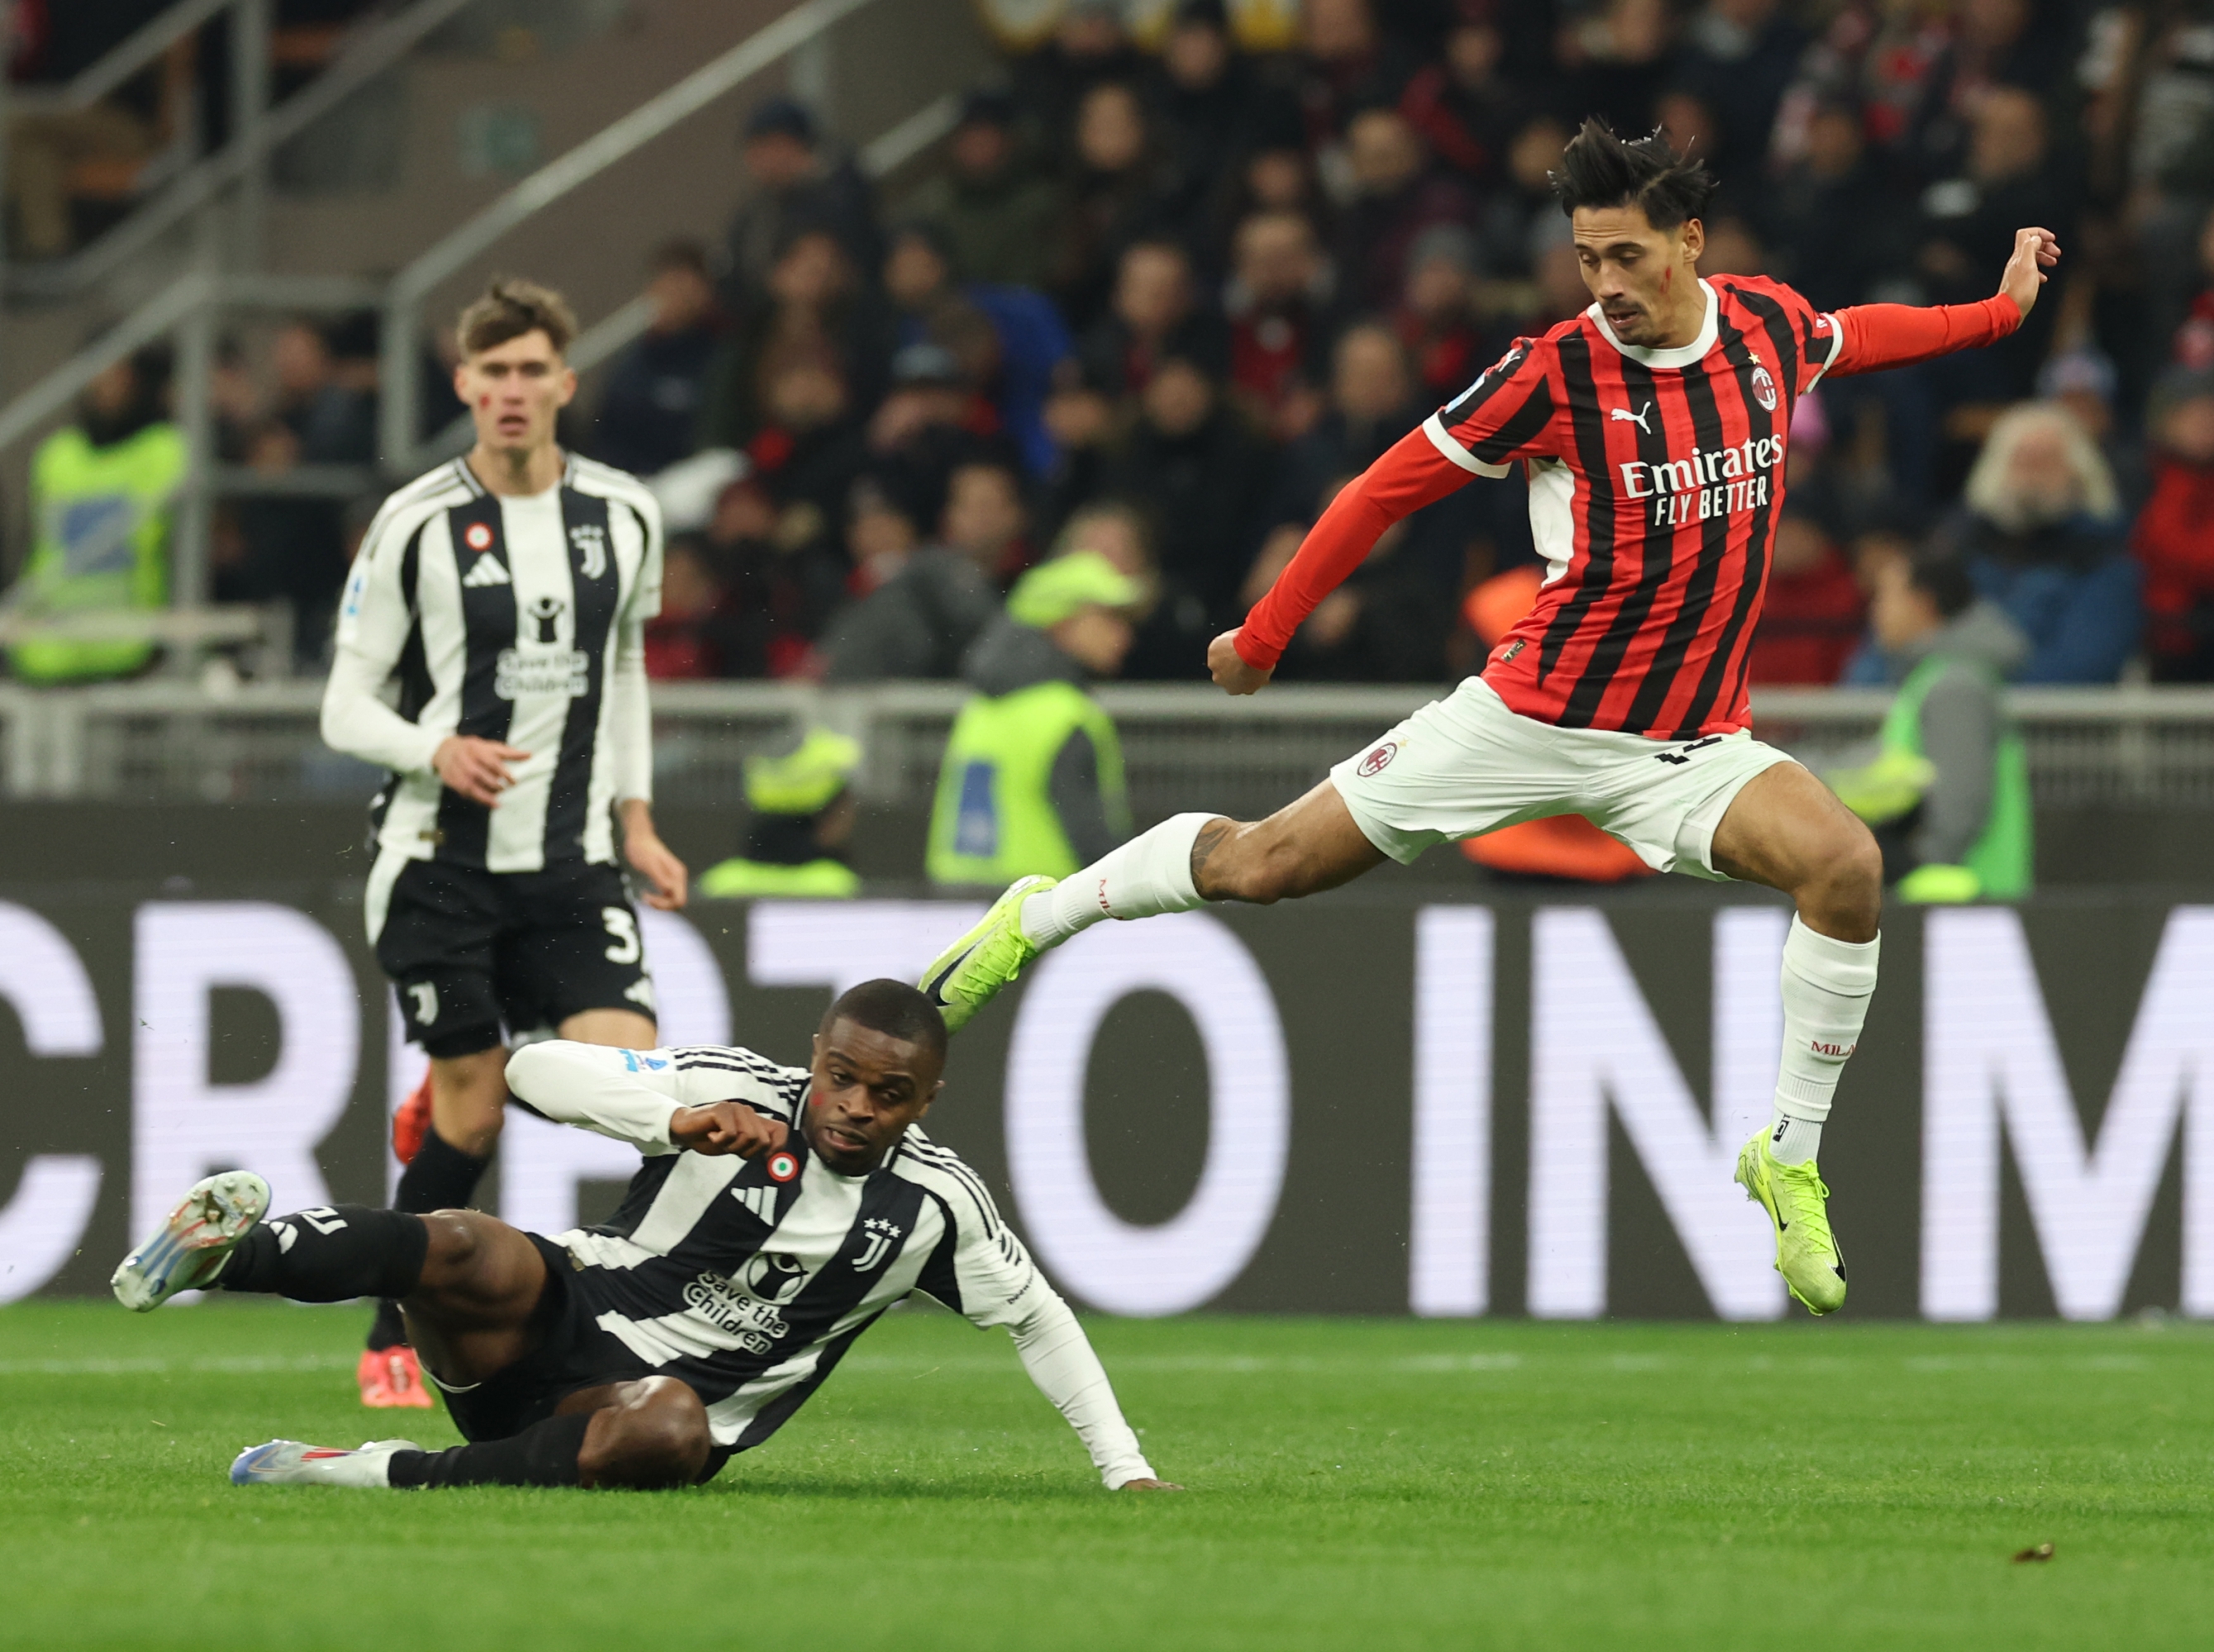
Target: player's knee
point(1850, 890)
point(655, 1440)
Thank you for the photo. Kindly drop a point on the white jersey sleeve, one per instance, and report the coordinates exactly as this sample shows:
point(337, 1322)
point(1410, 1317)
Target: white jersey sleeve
point(632, 720)
point(989, 1277)
point(630, 1094)
point(374, 617)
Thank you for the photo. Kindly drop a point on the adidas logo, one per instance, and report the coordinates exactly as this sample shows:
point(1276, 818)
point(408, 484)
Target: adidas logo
point(488, 571)
point(761, 1200)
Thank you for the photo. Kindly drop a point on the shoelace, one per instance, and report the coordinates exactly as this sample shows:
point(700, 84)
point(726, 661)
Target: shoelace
point(1807, 1192)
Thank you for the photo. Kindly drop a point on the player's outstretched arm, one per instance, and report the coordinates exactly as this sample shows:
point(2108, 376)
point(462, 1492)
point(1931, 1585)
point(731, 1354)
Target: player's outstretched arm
point(1412, 474)
point(1060, 1360)
point(1872, 337)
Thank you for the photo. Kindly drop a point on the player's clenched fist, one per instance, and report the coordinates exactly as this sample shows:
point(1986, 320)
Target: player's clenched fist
point(725, 1127)
point(1231, 673)
point(2036, 251)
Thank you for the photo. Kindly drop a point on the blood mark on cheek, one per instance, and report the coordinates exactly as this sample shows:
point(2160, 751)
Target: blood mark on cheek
point(485, 400)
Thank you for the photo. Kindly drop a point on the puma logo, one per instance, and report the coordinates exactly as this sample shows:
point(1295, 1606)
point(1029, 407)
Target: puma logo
point(1629, 418)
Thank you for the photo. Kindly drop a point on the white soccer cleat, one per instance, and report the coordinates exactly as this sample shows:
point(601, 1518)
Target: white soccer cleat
point(288, 1462)
point(194, 1240)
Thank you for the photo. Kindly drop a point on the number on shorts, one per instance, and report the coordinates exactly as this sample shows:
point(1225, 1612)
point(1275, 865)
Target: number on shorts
point(623, 926)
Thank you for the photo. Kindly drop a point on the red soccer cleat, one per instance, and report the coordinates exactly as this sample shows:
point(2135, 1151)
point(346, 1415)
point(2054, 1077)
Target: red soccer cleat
point(392, 1380)
point(410, 1123)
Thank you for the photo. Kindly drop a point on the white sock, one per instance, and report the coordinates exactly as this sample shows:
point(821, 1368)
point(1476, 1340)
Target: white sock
point(1149, 875)
point(1826, 987)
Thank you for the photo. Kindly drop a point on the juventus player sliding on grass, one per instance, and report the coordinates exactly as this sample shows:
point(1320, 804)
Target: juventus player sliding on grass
point(508, 591)
point(1652, 428)
point(778, 1212)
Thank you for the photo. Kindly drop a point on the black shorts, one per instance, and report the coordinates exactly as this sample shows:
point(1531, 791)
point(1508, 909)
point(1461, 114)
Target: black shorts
point(572, 1352)
point(469, 950)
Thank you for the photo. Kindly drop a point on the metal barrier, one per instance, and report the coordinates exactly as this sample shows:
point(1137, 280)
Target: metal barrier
point(1185, 746)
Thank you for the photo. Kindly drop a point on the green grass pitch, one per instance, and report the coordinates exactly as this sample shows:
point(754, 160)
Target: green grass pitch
point(1360, 1484)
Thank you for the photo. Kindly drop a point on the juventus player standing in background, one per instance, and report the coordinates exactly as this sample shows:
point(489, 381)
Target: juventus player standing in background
point(508, 592)
point(1653, 427)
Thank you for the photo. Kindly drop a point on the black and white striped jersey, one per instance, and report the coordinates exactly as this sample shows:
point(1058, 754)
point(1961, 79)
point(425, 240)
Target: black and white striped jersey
point(748, 1280)
point(512, 619)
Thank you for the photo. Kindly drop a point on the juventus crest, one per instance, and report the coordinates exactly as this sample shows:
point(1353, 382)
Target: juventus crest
point(591, 543)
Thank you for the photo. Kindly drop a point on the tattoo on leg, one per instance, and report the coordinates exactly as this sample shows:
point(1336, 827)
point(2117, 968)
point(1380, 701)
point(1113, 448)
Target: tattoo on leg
point(1211, 837)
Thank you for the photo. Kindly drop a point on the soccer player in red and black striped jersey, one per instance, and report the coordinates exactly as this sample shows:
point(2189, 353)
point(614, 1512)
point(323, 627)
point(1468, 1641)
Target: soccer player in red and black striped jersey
point(1654, 429)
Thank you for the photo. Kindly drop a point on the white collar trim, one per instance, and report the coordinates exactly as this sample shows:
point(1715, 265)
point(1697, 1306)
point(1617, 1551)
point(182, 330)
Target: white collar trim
point(1683, 355)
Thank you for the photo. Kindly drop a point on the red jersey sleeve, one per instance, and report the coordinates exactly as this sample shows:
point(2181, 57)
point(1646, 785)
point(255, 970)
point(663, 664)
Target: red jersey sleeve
point(1506, 415)
point(1868, 338)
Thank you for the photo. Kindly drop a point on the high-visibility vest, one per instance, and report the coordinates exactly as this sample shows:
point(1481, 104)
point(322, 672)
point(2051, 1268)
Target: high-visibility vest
point(995, 820)
point(103, 543)
point(823, 880)
point(2003, 857)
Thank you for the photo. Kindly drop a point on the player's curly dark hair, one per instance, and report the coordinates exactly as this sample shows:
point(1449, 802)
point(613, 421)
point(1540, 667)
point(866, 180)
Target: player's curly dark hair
point(1600, 170)
point(893, 1008)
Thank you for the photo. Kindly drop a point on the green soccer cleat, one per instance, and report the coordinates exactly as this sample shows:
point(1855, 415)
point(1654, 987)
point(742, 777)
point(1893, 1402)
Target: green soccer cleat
point(1806, 1250)
point(968, 975)
point(190, 1247)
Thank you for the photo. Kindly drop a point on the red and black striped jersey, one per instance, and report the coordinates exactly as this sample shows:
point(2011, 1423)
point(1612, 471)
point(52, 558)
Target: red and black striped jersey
point(1656, 479)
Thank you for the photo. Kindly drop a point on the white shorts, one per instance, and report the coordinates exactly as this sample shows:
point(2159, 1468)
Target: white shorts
point(1467, 765)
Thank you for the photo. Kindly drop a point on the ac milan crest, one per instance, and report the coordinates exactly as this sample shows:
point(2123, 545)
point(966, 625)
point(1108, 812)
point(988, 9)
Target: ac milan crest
point(1763, 389)
point(1374, 763)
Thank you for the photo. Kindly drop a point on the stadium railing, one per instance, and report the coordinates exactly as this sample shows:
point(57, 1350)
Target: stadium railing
point(230, 742)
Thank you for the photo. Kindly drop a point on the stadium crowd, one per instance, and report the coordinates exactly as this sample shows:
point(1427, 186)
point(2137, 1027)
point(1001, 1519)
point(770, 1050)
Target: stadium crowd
point(1162, 295)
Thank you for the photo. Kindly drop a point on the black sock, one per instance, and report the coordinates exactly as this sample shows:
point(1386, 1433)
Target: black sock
point(441, 1177)
point(545, 1454)
point(331, 1253)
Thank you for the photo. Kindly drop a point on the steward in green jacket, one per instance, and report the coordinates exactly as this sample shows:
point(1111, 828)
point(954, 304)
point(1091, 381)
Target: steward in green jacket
point(101, 497)
point(1949, 792)
point(1032, 777)
point(803, 814)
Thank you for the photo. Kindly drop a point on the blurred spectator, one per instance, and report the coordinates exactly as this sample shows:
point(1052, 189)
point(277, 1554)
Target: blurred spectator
point(1737, 58)
point(780, 576)
point(997, 214)
point(815, 314)
point(1089, 48)
point(1617, 56)
point(1202, 475)
point(1827, 214)
point(2192, 346)
point(102, 489)
point(1172, 629)
point(918, 622)
point(1031, 780)
point(1520, 221)
point(2175, 534)
point(1966, 230)
point(1372, 404)
point(2041, 534)
point(694, 635)
point(1113, 193)
point(1207, 99)
point(1810, 620)
point(1396, 196)
point(1350, 64)
point(933, 423)
point(648, 413)
point(1949, 792)
point(1437, 321)
point(1278, 301)
point(1157, 313)
point(800, 813)
point(334, 421)
point(798, 184)
point(1026, 340)
point(1468, 107)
